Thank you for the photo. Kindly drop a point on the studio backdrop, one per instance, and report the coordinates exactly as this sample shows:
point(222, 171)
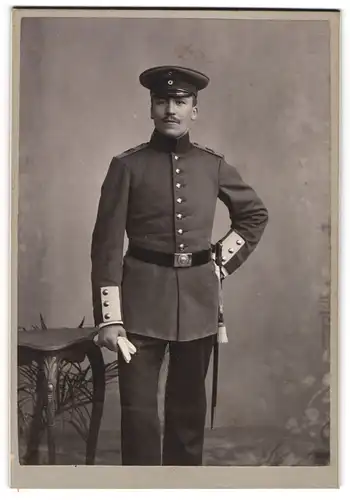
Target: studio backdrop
point(267, 109)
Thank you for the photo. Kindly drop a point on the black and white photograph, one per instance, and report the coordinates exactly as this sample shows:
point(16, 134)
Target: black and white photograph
point(174, 234)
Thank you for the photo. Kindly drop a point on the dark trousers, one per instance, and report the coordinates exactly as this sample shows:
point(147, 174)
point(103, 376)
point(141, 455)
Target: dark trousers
point(185, 402)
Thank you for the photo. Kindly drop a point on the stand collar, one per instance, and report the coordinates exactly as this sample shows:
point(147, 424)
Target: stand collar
point(161, 142)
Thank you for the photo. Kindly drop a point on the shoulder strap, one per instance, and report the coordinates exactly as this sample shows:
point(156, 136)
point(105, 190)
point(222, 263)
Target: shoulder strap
point(208, 150)
point(133, 150)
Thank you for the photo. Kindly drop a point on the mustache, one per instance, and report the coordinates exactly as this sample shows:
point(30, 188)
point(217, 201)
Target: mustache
point(170, 119)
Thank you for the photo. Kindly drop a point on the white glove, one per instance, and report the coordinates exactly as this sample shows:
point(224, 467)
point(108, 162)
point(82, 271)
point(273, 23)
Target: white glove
point(126, 347)
point(113, 337)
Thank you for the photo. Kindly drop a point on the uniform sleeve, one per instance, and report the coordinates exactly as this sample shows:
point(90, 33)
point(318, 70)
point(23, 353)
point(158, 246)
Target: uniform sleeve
point(107, 244)
point(248, 217)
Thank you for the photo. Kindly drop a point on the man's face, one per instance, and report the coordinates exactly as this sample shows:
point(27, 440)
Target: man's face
point(172, 116)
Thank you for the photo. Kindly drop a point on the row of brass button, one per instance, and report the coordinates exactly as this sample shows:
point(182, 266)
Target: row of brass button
point(179, 200)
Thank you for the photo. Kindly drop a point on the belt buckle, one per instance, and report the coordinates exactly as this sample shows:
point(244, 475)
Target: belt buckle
point(182, 259)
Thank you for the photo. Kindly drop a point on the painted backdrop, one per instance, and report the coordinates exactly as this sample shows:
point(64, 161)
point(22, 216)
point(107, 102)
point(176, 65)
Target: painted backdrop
point(266, 109)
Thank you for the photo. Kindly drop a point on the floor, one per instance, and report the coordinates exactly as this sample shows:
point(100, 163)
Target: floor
point(223, 447)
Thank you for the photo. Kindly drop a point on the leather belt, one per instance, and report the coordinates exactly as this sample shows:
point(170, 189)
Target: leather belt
point(170, 259)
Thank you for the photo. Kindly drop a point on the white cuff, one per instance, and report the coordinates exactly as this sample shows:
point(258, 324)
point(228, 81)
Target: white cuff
point(107, 323)
point(230, 246)
point(110, 302)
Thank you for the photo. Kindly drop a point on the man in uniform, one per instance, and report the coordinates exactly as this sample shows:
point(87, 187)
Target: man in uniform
point(164, 292)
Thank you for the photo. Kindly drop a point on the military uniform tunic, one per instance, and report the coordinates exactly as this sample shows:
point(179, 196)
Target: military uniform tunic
point(163, 194)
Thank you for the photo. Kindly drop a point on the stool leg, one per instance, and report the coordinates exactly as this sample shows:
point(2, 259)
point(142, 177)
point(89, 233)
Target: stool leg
point(50, 368)
point(95, 357)
point(32, 451)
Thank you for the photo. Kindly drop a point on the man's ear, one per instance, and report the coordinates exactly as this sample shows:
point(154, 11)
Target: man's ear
point(194, 113)
point(151, 110)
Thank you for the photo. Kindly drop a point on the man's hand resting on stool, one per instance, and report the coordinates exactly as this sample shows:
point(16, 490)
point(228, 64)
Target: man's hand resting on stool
point(114, 336)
